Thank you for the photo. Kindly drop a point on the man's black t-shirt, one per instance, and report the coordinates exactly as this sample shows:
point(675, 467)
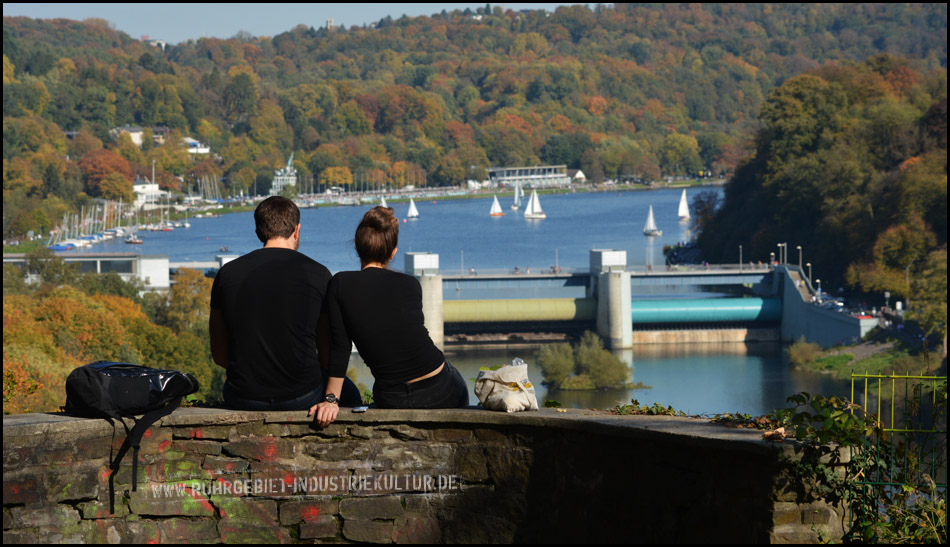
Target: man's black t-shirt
point(271, 300)
point(381, 312)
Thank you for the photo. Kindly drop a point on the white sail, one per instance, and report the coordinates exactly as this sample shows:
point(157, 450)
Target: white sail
point(518, 195)
point(650, 229)
point(496, 208)
point(533, 209)
point(382, 201)
point(684, 207)
point(413, 212)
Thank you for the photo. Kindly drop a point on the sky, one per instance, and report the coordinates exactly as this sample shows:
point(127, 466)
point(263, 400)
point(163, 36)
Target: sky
point(176, 23)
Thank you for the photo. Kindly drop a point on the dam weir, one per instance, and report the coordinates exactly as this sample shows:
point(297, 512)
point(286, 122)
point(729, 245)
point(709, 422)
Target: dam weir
point(613, 300)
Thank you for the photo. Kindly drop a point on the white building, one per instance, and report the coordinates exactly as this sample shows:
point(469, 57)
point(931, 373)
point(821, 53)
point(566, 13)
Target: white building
point(152, 270)
point(530, 177)
point(147, 194)
point(195, 147)
point(284, 177)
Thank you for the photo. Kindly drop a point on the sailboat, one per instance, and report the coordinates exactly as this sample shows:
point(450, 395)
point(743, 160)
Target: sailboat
point(413, 212)
point(382, 201)
point(496, 209)
point(650, 229)
point(684, 208)
point(519, 193)
point(533, 210)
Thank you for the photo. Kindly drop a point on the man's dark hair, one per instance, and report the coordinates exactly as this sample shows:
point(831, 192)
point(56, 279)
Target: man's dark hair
point(276, 216)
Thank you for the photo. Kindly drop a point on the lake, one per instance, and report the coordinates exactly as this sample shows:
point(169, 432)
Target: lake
point(694, 378)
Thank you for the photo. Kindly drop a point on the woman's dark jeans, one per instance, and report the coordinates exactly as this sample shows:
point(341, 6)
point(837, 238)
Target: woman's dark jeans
point(349, 396)
point(446, 389)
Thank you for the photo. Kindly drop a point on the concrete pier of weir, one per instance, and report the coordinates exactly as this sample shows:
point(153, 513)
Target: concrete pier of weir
point(781, 309)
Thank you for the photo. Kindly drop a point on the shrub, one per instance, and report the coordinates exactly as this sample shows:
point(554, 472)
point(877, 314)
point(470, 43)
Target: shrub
point(556, 362)
point(593, 366)
point(803, 353)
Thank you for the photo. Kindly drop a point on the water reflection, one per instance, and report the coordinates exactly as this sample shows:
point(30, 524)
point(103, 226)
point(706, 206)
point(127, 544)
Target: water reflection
point(695, 378)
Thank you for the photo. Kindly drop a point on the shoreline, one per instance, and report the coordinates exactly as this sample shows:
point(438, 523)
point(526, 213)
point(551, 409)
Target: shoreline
point(249, 204)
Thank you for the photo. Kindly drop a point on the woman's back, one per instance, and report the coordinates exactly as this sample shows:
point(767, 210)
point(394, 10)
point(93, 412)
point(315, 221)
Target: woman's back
point(381, 312)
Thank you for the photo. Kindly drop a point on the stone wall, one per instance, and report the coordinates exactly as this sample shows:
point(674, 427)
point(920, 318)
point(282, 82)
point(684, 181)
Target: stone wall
point(209, 475)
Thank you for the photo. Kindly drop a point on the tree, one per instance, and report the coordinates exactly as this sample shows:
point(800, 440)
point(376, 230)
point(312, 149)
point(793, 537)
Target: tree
point(897, 253)
point(50, 268)
point(116, 187)
point(704, 207)
point(240, 99)
point(336, 176)
point(930, 294)
point(99, 164)
point(679, 155)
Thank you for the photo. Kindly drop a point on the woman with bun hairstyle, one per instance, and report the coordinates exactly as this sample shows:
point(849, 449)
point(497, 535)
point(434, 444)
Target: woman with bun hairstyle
point(380, 311)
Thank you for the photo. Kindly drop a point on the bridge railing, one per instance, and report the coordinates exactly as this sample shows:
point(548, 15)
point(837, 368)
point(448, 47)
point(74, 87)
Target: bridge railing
point(555, 271)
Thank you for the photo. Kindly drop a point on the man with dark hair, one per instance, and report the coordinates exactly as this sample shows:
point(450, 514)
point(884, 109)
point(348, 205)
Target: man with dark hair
point(268, 321)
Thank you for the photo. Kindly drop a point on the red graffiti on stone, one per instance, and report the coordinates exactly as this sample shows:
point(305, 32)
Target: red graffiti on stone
point(268, 449)
point(309, 513)
point(196, 494)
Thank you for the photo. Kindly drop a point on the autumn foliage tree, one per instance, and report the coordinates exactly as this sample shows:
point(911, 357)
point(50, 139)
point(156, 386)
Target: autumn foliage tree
point(98, 165)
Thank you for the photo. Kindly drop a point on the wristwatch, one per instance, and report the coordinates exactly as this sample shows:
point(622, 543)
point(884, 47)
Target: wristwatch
point(332, 399)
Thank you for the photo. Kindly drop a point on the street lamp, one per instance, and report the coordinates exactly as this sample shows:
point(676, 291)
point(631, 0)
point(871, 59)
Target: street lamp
point(799, 256)
point(740, 258)
point(819, 286)
point(809, 271)
point(771, 259)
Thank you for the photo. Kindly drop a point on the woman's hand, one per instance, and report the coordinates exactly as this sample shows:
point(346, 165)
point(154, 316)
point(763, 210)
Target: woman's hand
point(325, 412)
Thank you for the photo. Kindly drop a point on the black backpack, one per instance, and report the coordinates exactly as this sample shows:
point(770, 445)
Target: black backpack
point(111, 390)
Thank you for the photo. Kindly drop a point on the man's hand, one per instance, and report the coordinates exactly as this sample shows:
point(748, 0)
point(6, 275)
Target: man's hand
point(326, 413)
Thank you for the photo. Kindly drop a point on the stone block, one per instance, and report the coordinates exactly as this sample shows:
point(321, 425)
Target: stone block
point(125, 531)
point(385, 507)
point(11, 537)
point(44, 515)
point(222, 465)
point(490, 436)
point(83, 532)
point(69, 482)
point(169, 500)
point(471, 463)
point(452, 435)
point(248, 531)
point(417, 529)
point(332, 431)
point(292, 512)
point(195, 446)
point(7, 519)
point(417, 504)
point(816, 515)
point(46, 450)
point(368, 531)
point(263, 449)
point(793, 533)
point(258, 429)
point(361, 432)
point(418, 456)
point(786, 513)
point(297, 430)
point(92, 510)
point(180, 530)
point(320, 528)
point(25, 486)
point(340, 451)
point(210, 432)
point(261, 511)
point(407, 433)
point(509, 466)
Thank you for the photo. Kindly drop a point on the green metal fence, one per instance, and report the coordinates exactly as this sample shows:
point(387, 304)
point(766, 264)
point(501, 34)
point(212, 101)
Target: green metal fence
point(898, 476)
